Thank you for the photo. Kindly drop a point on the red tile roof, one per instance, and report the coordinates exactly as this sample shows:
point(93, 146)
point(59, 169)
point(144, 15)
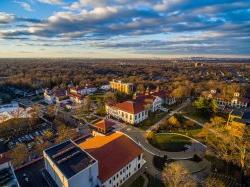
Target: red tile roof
point(113, 152)
point(132, 107)
point(104, 125)
point(79, 96)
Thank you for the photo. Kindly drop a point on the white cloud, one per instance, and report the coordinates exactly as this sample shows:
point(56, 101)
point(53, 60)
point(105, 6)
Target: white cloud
point(25, 5)
point(52, 2)
point(6, 18)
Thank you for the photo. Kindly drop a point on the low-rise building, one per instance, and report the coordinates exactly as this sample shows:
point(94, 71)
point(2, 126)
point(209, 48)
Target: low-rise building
point(235, 101)
point(56, 95)
point(76, 98)
point(70, 166)
point(119, 157)
point(106, 161)
point(120, 86)
point(7, 174)
point(132, 112)
point(86, 90)
point(13, 110)
point(102, 127)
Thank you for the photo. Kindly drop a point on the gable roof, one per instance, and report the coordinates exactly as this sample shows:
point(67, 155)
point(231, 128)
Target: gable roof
point(104, 125)
point(132, 107)
point(113, 152)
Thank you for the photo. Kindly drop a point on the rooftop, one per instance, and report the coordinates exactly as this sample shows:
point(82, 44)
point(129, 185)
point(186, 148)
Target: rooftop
point(69, 158)
point(113, 152)
point(7, 177)
point(104, 125)
point(132, 107)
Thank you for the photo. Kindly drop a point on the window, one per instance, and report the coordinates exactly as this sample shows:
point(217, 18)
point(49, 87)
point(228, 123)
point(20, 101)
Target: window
point(110, 181)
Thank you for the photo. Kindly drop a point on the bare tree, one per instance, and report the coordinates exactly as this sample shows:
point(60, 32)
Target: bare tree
point(176, 175)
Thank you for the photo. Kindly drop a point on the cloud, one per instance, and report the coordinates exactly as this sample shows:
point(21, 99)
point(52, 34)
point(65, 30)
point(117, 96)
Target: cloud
point(25, 5)
point(6, 18)
point(214, 26)
point(52, 2)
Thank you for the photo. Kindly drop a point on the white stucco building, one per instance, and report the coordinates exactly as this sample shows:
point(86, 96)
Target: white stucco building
point(70, 166)
point(132, 112)
point(104, 161)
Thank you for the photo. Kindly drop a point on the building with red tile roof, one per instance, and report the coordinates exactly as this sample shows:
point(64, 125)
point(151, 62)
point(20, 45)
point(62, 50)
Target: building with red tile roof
point(132, 112)
point(119, 157)
point(103, 127)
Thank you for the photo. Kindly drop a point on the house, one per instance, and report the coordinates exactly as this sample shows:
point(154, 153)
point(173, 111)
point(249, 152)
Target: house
point(49, 97)
point(102, 127)
point(12, 110)
point(96, 161)
point(7, 174)
point(132, 112)
point(235, 101)
point(82, 90)
point(119, 157)
point(154, 102)
point(154, 99)
point(239, 116)
point(56, 95)
point(120, 86)
point(76, 98)
point(105, 87)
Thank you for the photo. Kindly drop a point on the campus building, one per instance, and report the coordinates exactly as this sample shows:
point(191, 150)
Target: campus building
point(132, 112)
point(70, 166)
point(126, 88)
point(100, 161)
point(235, 102)
point(7, 174)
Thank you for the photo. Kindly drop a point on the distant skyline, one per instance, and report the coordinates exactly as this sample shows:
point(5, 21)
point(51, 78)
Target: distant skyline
point(124, 28)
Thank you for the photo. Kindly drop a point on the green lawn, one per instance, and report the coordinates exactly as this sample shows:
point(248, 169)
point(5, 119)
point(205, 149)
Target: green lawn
point(152, 119)
point(170, 142)
point(191, 112)
point(138, 182)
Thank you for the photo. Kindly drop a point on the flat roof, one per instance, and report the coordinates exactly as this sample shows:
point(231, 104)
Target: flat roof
point(7, 177)
point(69, 158)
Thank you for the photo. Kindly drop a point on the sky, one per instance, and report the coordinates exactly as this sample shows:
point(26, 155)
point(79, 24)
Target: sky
point(124, 28)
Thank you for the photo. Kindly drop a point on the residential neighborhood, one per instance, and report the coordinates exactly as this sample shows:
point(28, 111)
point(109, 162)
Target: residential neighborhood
point(120, 134)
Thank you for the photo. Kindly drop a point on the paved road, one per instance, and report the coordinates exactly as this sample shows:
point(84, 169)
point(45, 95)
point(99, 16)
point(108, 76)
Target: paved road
point(138, 136)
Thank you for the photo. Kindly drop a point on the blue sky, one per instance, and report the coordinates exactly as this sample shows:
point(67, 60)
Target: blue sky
point(124, 28)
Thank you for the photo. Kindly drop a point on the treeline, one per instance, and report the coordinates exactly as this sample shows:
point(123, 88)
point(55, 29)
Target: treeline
point(182, 79)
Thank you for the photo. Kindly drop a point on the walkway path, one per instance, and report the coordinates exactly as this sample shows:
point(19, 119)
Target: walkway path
point(156, 125)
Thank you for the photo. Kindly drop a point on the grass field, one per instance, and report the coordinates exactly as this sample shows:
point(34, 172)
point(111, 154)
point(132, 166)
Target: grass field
point(191, 112)
point(171, 143)
point(152, 119)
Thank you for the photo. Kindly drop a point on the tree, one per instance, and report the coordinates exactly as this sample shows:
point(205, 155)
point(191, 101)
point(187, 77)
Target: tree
point(110, 97)
point(173, 121)
point(39, 148)
point(229, 143)
point(206, 107)
point(140, 88)
point(48, 134)
point(213, 182)
point(176, 175)
point(19, 154)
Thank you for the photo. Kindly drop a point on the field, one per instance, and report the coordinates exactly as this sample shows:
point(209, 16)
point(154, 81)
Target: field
point(170, 142)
